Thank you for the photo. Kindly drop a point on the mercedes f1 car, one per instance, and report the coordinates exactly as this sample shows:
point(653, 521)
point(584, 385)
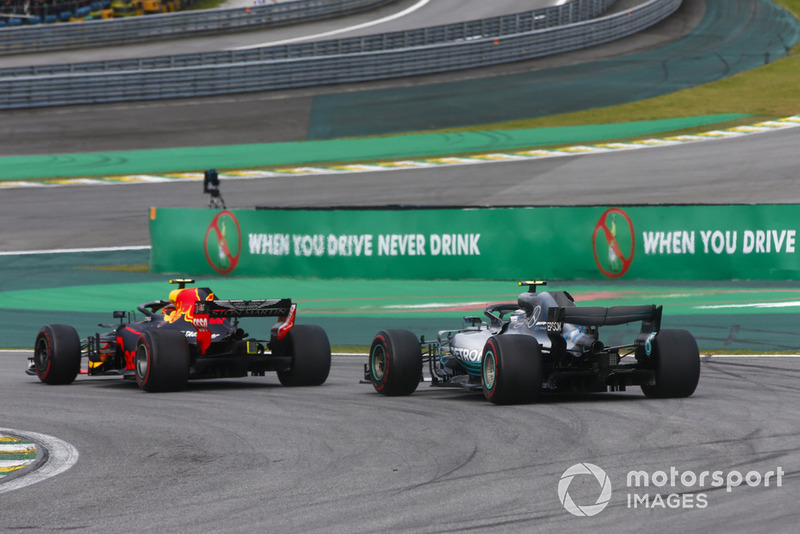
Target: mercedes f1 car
point(190, 335)
point(543, 342)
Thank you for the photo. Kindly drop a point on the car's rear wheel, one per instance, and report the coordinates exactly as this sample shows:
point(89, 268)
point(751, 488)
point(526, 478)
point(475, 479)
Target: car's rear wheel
point(395, 362)
point(162, 361)
point(311, 356)
point(57, 354)
point(511, 369)
point(677, 365)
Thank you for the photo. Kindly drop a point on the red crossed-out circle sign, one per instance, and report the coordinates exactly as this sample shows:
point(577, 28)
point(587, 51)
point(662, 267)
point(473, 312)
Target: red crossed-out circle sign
point(228, 247)
point(621, 259)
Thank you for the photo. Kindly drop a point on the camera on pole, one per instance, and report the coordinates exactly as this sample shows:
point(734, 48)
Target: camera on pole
point(211, 186)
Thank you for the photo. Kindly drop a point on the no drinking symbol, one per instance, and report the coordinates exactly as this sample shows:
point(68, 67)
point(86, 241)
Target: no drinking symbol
point(613, 243)
point(223, 242)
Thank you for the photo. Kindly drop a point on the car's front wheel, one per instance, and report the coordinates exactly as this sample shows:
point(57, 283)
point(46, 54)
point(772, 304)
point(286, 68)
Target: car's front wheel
point(511, 369)
point(57, 354)
point(162, 361)
point(677, 365)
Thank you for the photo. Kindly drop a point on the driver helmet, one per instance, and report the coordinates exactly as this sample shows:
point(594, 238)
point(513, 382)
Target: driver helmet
point(170, 307)
point(517, 316)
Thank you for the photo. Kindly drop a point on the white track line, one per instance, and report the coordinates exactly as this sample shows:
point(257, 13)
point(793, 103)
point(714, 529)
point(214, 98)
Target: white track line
point(73, 250)
point(726, 356)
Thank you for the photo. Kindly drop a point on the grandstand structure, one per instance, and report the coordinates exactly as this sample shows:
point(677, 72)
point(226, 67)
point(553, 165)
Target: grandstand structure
point(18, 12)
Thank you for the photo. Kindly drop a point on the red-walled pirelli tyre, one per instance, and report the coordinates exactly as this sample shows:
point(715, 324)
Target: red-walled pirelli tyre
point(57, 354)
point(511, 369)
point(677, 362)
point(311, 356)
point(395, 362)
point(162, 361)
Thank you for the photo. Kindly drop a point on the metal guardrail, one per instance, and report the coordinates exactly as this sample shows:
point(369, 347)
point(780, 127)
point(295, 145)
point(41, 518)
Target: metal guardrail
point(495, 27)
point(93, 33)
point(373, 57)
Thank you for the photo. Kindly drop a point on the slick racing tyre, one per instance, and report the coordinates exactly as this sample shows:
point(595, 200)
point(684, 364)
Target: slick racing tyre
point(511, 369)
point(57, 354)
point(677, 365)
point(395, 362)
point(162, 361)
point(311, 356)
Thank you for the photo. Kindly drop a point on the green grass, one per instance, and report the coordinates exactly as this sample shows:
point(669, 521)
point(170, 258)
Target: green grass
point(139, 268)
point(766, 93)
point(203, 4)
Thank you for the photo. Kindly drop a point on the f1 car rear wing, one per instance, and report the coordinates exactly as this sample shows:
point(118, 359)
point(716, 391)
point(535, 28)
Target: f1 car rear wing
point(599, 316)
point(243, 308)
point(204, 310)
point(649, 315)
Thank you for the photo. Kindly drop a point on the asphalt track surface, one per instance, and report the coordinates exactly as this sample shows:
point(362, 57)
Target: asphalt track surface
point(246, 455)
point(249, 455)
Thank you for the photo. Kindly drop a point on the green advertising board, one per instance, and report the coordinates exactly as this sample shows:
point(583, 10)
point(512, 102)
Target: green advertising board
point(756, 242)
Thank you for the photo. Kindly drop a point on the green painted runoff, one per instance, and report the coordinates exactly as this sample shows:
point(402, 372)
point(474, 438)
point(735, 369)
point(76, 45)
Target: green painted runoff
point(340, 150)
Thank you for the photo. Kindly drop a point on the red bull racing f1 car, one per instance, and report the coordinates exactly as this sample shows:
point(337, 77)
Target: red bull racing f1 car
point(190, 335)
point(543, 342)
